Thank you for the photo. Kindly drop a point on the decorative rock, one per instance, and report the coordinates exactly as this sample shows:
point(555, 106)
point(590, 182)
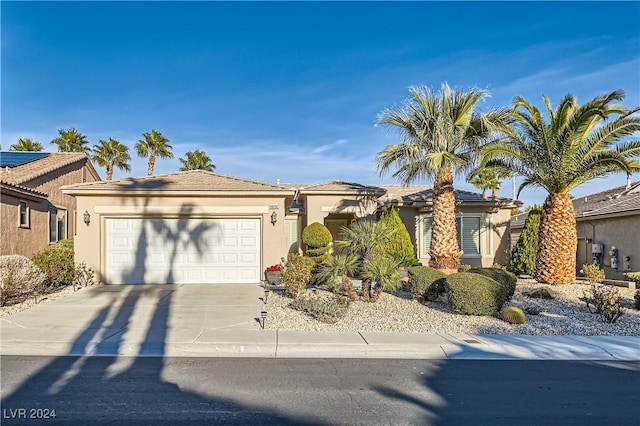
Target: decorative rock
point(540, 293)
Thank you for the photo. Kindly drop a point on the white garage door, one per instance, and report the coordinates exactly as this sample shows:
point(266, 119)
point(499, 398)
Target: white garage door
point(182, 251)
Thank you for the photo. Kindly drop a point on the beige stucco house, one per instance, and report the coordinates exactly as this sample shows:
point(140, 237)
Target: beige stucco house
point(204, 227)
point(33, 210)
point(608, 225)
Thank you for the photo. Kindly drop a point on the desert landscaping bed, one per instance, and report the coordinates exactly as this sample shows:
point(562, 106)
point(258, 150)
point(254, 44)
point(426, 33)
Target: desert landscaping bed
point(565, 314)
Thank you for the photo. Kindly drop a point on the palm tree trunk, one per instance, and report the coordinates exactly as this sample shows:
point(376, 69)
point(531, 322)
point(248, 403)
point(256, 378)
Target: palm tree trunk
point(109, 171)
point(445, 252)
point(558, 241)
point(152, 163)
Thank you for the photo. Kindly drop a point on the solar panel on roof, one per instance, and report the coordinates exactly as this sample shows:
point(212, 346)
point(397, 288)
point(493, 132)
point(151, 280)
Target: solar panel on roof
point(18, 158)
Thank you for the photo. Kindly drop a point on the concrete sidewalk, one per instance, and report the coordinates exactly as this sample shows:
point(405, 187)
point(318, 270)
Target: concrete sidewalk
point(223, 321)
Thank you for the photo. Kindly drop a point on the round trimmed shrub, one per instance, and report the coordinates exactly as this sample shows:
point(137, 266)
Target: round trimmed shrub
point(316, 235)
point(57, 263)
point(501, 275)
point(425, 282)
point(18, 275)
point(475, 294)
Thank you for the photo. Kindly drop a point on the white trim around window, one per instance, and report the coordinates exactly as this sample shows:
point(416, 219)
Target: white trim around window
point(24, 213)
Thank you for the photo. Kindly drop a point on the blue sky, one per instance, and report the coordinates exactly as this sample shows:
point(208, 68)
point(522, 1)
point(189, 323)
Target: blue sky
point(291, 90)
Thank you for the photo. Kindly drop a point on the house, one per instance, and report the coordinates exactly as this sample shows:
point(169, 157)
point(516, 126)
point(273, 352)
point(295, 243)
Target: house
point(608, 225)
point(33, 210)
point(204, 227)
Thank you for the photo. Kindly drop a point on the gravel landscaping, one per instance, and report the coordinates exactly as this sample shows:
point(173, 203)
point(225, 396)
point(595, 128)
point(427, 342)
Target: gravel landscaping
point(565, 314)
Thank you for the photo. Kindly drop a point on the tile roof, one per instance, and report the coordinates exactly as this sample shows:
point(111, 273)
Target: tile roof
point(193, 180)
point(339, 186)
point(408, 195)
point(8, 186)
point(611, 201)
point(23, 173)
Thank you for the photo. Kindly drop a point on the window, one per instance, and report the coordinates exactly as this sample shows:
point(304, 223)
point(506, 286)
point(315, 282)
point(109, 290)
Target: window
point(468, 235)
point(25, 220)
point(57, 224)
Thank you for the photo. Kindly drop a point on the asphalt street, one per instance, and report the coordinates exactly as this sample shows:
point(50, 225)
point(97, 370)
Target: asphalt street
point(258, 391)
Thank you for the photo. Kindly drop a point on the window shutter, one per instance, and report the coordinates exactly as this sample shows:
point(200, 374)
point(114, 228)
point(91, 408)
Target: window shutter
point(427, 223)
point(471, 235)
point(291, 233)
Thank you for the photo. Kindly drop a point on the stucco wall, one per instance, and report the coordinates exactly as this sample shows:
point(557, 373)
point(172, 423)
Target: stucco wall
point(317, 207)
point(51, 183)
point(621, 232)
point(24, 241)
point(90, 243)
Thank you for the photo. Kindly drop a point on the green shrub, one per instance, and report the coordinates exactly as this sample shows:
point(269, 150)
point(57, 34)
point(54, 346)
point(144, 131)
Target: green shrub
point(593, 273)
point(399, 246)
point(426, 283)
point(464, 267)
point(316, 235)
point(636, 299)
point(632, 276)
point(18, 275)
point(297, 274)
point(475, 294)
point(57, 263)
point(503, 276)
point(331, 270)
point(325, 309)
point(523, 255)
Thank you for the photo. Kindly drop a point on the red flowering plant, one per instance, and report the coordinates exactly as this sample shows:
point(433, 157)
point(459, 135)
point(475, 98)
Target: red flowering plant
point(275, 268)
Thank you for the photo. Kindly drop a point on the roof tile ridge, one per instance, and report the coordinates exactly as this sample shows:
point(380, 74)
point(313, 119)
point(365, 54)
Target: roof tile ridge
point(42, 172)
point(241, 179)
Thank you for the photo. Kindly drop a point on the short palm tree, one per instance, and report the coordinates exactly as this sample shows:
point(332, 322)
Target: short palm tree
point(574, 145)
point(364, 239)
point(71, 140)
point(26, 144)
point(196, 160)
point(111, 153)
point(153, 145)
point(441, 134)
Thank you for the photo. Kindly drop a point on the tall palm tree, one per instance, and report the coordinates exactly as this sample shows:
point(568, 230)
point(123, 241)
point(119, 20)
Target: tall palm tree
point(26, 144)
point(574, 145)
point(111, 153)
point(441, 134)
point(153, 145)
point(71, 140)
point(197, 160)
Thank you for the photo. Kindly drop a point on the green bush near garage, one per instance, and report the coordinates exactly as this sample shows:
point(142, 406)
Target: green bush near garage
point(56, 261)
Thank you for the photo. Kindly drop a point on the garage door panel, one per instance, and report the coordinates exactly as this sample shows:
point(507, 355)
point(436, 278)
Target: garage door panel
point(182, 251)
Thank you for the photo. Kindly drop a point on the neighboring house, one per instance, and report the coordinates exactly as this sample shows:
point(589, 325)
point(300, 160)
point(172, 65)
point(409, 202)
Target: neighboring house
point(608, 225)
point(33, 210)
point(204, 227)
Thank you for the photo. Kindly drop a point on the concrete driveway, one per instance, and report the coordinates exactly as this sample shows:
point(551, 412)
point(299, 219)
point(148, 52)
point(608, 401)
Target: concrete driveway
point(135, 320)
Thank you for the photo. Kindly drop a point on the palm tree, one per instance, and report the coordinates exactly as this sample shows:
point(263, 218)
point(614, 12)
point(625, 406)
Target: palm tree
point(153, 145)
point(197, 160)
point(26, 144)
point(440, 134)
point(71, 140)
point(486, 178)
point(111, 153)
point(574, 145)
point(365, 239)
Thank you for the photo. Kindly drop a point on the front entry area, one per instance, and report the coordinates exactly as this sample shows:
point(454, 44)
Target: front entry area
point(182, 250)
